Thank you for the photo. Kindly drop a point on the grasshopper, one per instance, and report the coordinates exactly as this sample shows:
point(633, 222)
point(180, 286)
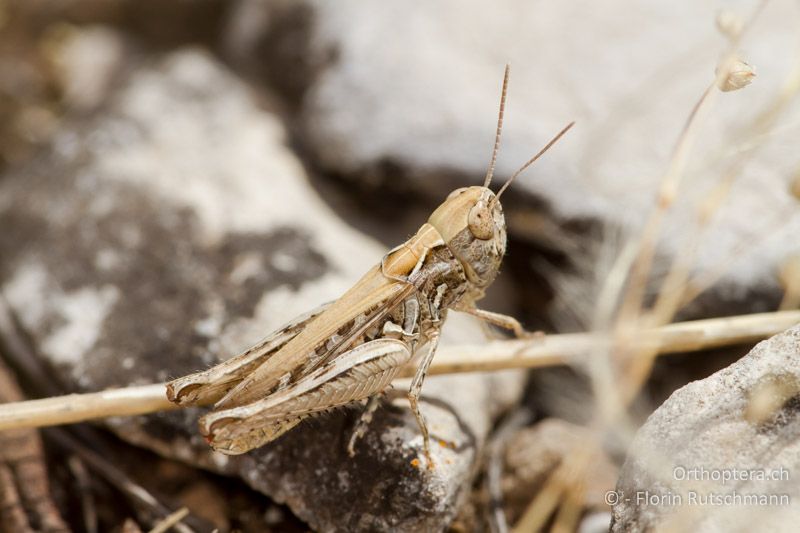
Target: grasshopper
point(351, 349)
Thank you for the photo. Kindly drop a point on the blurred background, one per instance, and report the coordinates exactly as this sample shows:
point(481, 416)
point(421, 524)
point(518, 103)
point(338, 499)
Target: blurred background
point(179, 178)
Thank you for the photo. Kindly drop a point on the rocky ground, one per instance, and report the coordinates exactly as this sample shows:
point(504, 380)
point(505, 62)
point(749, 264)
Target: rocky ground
point(177, 180)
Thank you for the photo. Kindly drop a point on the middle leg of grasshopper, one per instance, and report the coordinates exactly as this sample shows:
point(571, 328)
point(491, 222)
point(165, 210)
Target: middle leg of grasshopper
point(416, 388)
point(391, 330)
point(362, 425)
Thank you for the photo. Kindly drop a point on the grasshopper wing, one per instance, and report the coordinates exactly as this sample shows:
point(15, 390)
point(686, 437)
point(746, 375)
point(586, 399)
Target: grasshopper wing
point(339, 328)
point(208, 386)
point(342, 325)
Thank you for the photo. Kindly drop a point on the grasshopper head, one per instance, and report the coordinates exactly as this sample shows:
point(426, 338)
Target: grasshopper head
point(471, 220)
point(472, 224)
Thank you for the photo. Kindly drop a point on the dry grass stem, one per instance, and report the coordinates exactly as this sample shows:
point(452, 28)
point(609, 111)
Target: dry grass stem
point(170, 521)
point(79, 407)
point(569, 514)
point(790, 280)
point(567, 483)
point(545, 502)
point(546, 351)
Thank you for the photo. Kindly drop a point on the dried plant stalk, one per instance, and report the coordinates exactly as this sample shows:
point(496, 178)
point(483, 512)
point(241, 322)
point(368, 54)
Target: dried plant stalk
point(79, 407)
point(170, 521)
point(551, 350)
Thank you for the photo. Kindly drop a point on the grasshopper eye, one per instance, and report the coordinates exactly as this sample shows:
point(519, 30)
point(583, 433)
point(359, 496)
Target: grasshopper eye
point(480, 221)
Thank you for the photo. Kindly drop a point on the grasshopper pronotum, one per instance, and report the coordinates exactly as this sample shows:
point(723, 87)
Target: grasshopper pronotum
point(351, 349)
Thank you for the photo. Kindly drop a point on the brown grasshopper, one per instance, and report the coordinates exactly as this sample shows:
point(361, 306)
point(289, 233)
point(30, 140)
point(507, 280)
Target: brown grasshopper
point(351, 349)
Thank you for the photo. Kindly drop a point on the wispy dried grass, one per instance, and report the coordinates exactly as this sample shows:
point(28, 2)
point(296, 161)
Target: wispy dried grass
point(633, 297)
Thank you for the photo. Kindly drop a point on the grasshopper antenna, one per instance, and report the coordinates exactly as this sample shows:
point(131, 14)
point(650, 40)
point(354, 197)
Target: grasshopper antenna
point(533, 159)
point(490, 172)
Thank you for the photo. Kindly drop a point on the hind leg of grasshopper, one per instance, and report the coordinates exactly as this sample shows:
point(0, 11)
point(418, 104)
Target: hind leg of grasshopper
point(354, 375)
point(416, 389)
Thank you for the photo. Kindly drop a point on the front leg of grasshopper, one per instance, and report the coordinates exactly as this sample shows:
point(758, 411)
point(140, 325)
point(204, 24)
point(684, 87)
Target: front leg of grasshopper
point(500, 320)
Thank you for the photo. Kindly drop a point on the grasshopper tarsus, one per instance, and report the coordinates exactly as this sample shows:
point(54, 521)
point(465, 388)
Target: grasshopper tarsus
point(413, 400)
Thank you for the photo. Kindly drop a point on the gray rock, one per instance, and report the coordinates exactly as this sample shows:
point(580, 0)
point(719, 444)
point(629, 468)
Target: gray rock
point(408, 98)
point(174, 228)
point(742, 421)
